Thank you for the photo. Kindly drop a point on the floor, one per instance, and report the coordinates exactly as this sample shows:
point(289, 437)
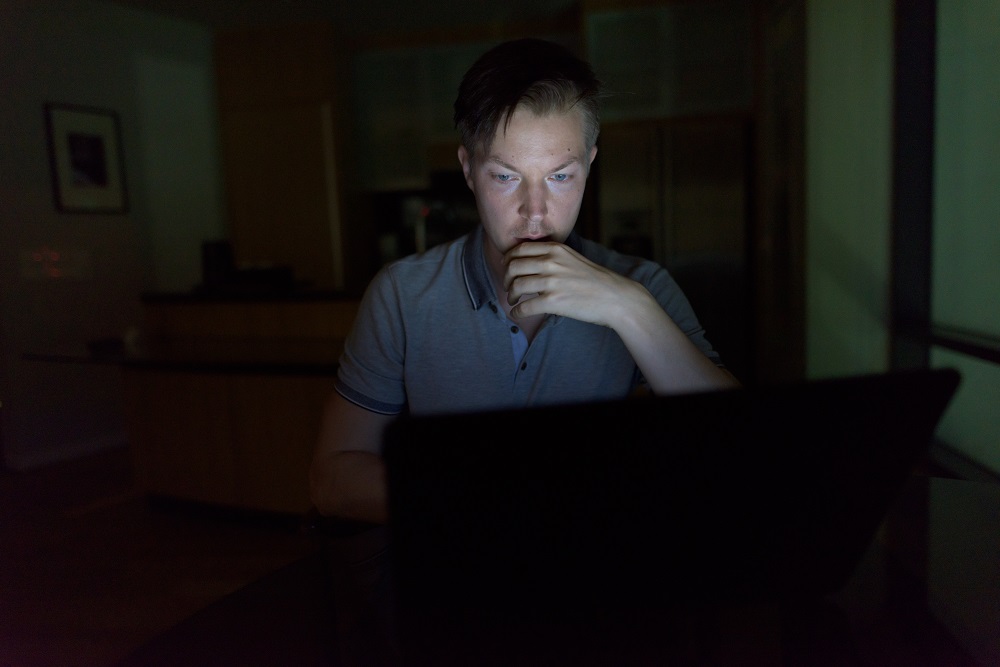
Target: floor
point(90, 569)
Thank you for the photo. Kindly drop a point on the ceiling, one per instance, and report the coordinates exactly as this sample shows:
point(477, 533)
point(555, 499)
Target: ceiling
point(358, 19)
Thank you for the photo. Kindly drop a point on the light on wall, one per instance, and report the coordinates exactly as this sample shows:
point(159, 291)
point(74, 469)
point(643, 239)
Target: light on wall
point(47, 262)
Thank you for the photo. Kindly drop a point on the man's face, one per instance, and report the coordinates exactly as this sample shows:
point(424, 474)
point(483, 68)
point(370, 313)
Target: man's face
point(529, 185)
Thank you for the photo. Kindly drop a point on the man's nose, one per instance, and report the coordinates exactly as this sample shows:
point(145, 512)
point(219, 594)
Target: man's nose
point(533, 202)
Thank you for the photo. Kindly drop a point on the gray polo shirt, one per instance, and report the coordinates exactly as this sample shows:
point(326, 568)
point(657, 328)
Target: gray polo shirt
point(430, 337)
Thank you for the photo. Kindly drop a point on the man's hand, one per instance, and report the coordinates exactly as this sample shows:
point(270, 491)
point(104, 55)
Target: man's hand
point(548, 277)
point(545, 277)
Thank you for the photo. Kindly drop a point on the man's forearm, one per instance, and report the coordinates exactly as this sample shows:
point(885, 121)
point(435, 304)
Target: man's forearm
point(667, 358)
point(350, 485)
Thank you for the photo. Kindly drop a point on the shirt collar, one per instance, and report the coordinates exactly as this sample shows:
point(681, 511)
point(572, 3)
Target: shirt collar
point(476, 274)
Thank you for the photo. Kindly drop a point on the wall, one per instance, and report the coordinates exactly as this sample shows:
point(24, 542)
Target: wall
point(156, 73)
point(848, 185)
point(966, 261)
point(848, 200)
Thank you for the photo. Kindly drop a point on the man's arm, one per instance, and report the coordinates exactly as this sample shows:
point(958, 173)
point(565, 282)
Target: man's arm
point(347, 476)
point(668, 359)
point(571, 285)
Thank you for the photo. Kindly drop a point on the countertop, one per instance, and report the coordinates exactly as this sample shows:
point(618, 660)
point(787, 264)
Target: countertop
point(247, 296)
point(219, 354)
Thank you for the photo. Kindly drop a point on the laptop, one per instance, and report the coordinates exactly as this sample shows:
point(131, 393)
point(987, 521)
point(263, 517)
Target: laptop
point(522, 525)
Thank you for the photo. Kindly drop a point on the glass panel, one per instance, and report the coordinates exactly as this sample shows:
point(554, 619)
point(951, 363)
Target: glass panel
point(971, 424)
point(966, 273)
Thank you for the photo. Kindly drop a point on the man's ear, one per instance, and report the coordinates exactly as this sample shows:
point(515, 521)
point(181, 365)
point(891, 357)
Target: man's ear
point(590, 162)
point(466, 161)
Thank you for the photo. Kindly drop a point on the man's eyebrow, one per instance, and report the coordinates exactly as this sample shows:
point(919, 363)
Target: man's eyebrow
point(496, 160)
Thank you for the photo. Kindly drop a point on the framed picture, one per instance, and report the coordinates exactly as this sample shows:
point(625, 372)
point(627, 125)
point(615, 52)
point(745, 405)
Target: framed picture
point(85, 153)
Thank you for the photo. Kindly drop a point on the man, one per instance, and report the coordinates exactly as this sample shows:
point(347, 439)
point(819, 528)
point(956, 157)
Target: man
point(521, 311)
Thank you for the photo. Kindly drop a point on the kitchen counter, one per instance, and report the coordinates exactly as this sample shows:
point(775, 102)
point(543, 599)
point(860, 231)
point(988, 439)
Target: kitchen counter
point(223, 396)
point(216, 354)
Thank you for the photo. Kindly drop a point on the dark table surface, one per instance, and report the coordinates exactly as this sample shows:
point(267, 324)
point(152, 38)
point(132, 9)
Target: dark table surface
point(927, 592)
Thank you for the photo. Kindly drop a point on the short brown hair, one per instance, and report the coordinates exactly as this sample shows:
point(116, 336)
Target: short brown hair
point(539, 75)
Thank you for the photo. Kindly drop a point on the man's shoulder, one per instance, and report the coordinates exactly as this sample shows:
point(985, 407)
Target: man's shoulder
point(421, 270)
point(429, 259)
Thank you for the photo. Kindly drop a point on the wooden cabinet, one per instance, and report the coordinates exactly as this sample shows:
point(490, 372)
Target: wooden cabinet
point(282, 113)
point(700, 162)
point(225, 405)
point(676, 190)
point(282, 193)
point(679, 192)
point(275, 429)
point(302, 319)
point(239, 440)
point(179, 427)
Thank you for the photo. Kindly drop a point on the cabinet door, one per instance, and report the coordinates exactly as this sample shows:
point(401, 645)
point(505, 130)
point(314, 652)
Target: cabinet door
point(275, 434)
point(630, 174)
point(235, 440)
point(282, 190)
point(180, 432)
point(677, 192)
point(706, 179)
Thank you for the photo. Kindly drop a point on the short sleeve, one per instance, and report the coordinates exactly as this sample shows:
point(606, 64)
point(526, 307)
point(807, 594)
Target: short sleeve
point(370, 373)
point(671, 298)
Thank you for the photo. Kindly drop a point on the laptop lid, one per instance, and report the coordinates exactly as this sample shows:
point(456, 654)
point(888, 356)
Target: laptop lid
point(584, 510)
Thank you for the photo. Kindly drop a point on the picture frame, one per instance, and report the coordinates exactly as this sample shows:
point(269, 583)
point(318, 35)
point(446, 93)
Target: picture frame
point(86, 158)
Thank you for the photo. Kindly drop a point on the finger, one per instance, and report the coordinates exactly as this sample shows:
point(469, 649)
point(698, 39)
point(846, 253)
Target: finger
point(519, 268)
point(531, 249)
point(532, 305)
point(524, 286)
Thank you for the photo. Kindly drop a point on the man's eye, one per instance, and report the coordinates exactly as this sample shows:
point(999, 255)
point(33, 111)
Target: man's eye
point(504, 178)
point(560, 177)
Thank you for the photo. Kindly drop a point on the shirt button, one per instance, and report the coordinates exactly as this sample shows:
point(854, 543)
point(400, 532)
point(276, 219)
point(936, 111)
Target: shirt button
point(524, 364)
point(514, 329)
point(493, 307)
